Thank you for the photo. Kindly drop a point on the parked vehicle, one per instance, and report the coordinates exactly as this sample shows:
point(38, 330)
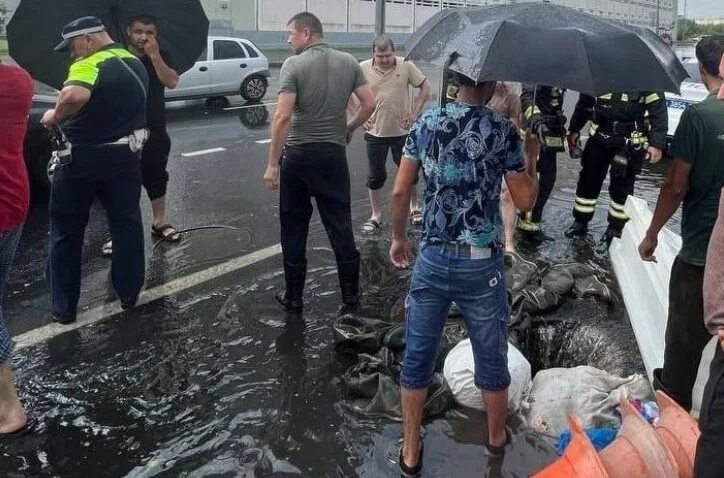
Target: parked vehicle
point(692, 91)
point(37, 140)
point(229, 66)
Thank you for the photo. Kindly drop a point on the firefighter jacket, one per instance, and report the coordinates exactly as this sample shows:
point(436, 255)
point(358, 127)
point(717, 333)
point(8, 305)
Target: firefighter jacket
point(543, 103)
point(621, 114)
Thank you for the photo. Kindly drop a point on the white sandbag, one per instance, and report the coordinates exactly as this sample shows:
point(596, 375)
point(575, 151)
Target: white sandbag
point(590, 394)
point(459, 372)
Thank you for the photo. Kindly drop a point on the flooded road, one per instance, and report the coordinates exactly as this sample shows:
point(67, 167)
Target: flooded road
point(212, 379)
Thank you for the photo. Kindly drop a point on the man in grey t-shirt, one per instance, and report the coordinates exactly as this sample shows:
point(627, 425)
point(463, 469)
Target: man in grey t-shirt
point(309, 134)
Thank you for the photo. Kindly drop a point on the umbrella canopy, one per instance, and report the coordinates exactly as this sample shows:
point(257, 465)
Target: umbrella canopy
point(547, 44)
point(35, 29)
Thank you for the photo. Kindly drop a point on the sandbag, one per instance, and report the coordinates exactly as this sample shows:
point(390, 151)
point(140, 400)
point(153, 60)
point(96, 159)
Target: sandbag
point(459, 372)
point(588, 393)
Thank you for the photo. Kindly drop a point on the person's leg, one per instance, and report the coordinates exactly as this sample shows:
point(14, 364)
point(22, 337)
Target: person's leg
point(426, 309)
point(154, 160)
point(295, 211)
point(594, 167)
point(709, 460)
point(71, 197)
point(121, 196)
point(479, 290)
point(621, 186)
point(332, 192)
point(12, 414)
point(509, 214)
point(376, 176)
point(686, 336)
point(397, 144)
point(547, 169)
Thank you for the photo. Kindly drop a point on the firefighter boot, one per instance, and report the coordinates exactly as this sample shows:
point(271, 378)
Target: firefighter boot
point(349, 283)
point(291, 298)
point(578, 228)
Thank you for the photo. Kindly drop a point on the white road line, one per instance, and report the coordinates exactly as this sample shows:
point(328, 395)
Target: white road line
point(202, 152)
point(264, 141)
point(175, 286)
point(232, 108)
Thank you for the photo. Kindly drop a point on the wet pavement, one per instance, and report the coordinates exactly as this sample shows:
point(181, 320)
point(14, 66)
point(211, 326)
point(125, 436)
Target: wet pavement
point(212, 380)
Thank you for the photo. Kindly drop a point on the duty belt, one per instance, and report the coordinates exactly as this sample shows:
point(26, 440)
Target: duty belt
point(618, 128)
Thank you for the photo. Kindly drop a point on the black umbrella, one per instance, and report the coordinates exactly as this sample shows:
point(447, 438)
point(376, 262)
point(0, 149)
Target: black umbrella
point(35, 28)
point(547, 44)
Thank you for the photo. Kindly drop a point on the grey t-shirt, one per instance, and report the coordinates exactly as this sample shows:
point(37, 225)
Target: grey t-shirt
point(323, 80)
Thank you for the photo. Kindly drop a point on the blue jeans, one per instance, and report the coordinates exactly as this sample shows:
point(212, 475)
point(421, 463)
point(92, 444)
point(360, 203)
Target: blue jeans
point(445, 273)
point(8, 243)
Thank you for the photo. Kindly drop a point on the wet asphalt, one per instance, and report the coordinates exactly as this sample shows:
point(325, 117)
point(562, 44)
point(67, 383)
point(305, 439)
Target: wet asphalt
point(212, 380)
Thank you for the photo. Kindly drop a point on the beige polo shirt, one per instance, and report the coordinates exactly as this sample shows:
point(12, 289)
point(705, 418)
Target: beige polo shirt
point(392, 95)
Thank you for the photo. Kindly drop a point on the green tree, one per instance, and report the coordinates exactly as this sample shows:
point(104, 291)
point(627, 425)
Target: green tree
point(688, 29)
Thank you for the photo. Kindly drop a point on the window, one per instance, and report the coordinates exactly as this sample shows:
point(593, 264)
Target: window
point(227, 50)
point(251, 50)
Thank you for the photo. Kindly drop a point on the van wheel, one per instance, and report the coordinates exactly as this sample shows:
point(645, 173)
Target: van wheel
point(254, 88)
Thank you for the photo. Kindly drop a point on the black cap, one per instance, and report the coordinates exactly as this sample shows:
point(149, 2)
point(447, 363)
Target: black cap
point(79, 27)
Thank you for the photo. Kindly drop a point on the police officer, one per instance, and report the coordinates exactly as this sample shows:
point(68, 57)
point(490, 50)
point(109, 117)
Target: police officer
point(101, 110)
point(620, 136)
point(543, 117)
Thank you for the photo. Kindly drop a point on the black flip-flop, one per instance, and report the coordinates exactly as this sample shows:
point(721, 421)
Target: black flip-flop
point(415, 471)
point(496, 451)
point(371, 226)
point(158, 232)
point(416, 218)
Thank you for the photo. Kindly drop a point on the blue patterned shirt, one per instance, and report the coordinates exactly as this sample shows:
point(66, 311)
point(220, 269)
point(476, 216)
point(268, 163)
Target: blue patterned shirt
point(464, 151)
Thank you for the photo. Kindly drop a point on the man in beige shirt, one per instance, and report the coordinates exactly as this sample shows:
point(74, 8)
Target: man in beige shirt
point(390, 78)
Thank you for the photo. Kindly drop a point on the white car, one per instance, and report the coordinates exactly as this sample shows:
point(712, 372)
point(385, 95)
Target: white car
point(229, 66)
point(692, 91)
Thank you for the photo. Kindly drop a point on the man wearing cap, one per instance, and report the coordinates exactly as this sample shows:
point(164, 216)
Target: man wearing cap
point(101, 110)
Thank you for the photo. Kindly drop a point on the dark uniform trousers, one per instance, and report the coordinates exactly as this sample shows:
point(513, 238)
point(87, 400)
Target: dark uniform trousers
point(316, 170)
point(113, 175)
point(547, 170)
point(598, 156)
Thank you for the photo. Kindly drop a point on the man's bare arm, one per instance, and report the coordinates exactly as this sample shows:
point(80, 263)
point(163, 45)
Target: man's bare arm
point(422, 97)
point(165, 73)
point(279, 132)
point(367, 107)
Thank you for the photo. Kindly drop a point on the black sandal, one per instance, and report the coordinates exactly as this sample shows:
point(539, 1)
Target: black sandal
point(159, 232)
point(497, 451)
point(414, 471)
point(371, 226)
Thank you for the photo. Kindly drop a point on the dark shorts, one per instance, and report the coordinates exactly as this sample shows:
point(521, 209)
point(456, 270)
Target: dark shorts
point(377, 149)
point(709, 461)
point(153, 164)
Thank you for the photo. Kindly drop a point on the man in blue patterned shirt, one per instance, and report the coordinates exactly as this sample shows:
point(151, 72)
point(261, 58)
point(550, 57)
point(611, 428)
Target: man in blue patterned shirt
point(464, 150)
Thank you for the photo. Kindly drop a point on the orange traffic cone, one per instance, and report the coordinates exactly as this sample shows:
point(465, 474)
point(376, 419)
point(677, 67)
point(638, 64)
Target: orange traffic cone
point(579, 460)
point(679, 431)
point(638, 451)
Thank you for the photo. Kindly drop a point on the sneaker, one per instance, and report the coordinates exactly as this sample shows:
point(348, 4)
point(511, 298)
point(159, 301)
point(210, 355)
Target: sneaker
point(528, 226)
point(62, 320)
point(578, 228)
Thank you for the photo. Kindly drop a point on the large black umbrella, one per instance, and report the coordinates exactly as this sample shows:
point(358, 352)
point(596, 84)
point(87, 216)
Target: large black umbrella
point(547, 44)
point(35, 29)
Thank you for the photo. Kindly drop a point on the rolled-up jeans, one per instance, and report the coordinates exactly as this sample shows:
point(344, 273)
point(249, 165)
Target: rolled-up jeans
point(445, 273)
point(8, 244)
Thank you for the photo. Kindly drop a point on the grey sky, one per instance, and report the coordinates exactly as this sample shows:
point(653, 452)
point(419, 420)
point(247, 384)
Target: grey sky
point(702, 8)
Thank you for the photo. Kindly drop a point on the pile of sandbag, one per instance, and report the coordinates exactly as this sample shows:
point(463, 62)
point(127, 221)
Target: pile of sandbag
point(586, 392)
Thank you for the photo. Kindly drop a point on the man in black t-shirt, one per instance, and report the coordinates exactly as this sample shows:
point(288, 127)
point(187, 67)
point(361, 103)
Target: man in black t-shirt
point(142, 34)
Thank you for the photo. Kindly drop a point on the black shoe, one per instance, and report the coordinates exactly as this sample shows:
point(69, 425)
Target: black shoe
point(62, 320)
point(414, 471)
point(129, 304)
point(290, 306)
point(610, 234)
point(578, 228)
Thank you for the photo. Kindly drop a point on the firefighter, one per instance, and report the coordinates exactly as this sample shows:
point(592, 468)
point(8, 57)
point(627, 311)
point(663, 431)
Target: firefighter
point(543, 118)
point(621, 135)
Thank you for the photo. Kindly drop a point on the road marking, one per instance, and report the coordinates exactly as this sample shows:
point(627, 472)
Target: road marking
point(105, 311)
point(202, 152)
point(264, 141)
point(232, 108)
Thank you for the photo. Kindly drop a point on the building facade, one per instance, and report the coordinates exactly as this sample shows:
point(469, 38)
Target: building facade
point(404, 16)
